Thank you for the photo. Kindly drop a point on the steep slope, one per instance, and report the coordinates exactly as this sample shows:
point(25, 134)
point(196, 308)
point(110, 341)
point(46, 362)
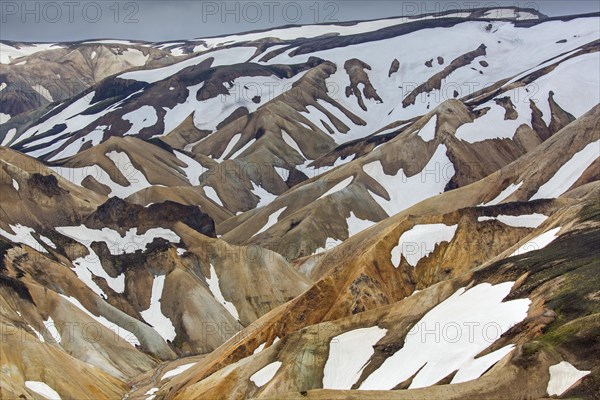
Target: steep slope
point(529, 235)
point(36, 75)
point(331, 211)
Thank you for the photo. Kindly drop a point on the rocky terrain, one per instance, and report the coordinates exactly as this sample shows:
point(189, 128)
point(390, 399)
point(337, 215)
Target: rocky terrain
point(326, 212)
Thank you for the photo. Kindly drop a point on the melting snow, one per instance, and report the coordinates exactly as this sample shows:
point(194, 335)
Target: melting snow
point(420, 241)
point(264, 196)
point(538, 242)
point(52, 330)
point(260, 348)
point(9, 136)
point(242, 149)
point(427, 132)
point(47, 241)
point(89, 266)
point(273, 218)
point(179, 370)
point(474, 368)
point(23, 235)
point(356, 224)
point(568, 174)
point(42, 389)
point(9, 53)
point(449, 336)
point(504, 194)
point(143, 117)
point(4, 118)
point(562, 376)
point(339, 186)
point(193, 170)
point(234, 140)
point(154, 316)
point(135, 57)
point(291, 142)
point(39, 335)
point(348, 355)
point(518, 221)
point(150, 393)
point(118, 331)
point(15, 185)
point(212, 194)
point(221, 57)
point(264, 375)
point(213, 285)
point(283, 173)
point(406, 191)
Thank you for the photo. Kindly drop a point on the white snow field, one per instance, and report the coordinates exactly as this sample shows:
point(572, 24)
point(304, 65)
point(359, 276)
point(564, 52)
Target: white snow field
point(273, 218)
point(177, 371)
point(568, 174)
point(337, 187)
point(518, 221)
point(22, 235)
point(406, 191)
point(348, 355)
point(42, 389)
point(420, 241)
point(506, 193)
point(562, 376)
point(448, 338)
point(264, 375)
point(154, 315)
point(538, 242)
point(215, 289)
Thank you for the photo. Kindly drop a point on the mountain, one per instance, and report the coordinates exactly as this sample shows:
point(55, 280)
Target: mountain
point(405, 208)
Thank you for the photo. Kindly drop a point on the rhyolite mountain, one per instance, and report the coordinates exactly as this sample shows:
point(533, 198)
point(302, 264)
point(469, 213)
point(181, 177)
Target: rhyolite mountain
point(406, 208)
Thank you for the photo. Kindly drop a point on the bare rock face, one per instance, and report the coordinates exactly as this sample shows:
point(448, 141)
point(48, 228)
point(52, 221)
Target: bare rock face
point(121, 215)
point(47, 185)
point(356, 72)
point(394, 67)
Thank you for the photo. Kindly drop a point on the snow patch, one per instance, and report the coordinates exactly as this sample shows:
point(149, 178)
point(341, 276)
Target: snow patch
point(518, 221)
point(264, 375)
point(356, 224)
point(194, 169)
point(449, 336)
point(176, 371)
point(273, 218)
point(339, 186)
point(427, 132)
point(212, 194)
point(569, 173)
point(405, 191)
point(42, 389)
point(348, 355)
point(143, 117)
point(154, 316)
point(503, 195)
point(52, 330)
point(538, 242)
point(89, 266)
point(562, 376)
point(420, 241)
point(23, 235)
point(215, 289)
